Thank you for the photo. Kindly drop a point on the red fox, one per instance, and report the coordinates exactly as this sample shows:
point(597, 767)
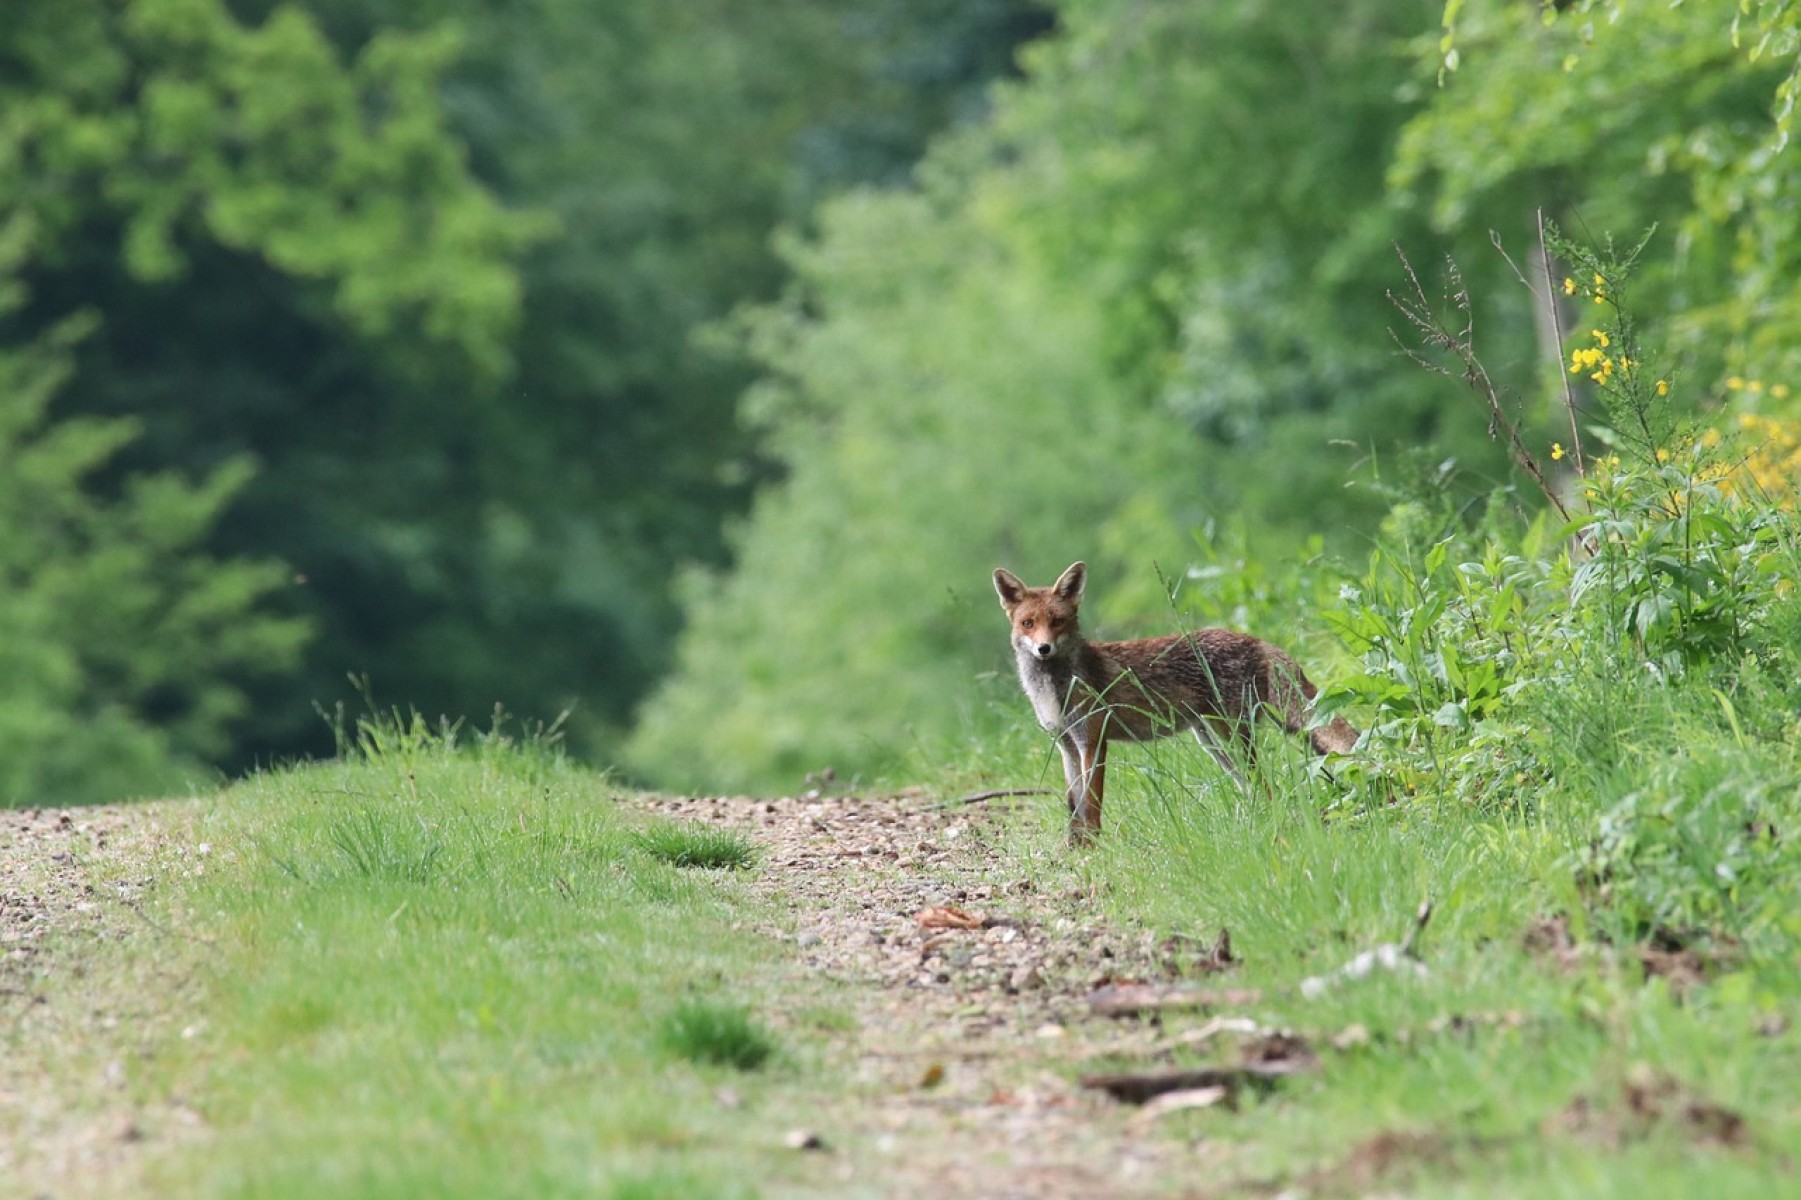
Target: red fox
point(1213, 681)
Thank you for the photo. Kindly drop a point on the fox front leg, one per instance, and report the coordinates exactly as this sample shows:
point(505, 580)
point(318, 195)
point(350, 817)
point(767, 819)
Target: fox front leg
point(1074, 775)
point(1085, 773)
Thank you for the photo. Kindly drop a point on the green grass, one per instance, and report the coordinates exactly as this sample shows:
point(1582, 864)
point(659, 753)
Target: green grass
point(1475, 1069)
point(691, 845)
point(713, 1033)
point(433, 972)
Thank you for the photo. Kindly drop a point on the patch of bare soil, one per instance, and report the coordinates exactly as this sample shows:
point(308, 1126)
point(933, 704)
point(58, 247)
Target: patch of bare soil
point(982, 999)
point(75, 1119)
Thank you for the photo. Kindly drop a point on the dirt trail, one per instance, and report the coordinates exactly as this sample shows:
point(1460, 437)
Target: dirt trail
point(969, 1039)
point(76, 1030)
point(966, 1045)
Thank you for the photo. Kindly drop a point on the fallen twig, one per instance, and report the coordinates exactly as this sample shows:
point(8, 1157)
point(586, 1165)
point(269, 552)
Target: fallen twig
point(997, 794)
point(1138, 1087)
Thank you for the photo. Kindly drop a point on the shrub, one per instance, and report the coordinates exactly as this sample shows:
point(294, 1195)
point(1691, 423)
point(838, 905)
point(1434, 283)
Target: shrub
point(1696, 844)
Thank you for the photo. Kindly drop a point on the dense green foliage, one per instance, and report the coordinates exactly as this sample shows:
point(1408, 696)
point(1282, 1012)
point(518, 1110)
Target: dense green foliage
point(122, 642)
point(1193, 212)
point(528, 334)
point(430, 276)
point(257, 235)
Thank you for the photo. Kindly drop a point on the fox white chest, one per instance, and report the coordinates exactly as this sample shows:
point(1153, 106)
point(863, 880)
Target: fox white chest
point(1047, 686)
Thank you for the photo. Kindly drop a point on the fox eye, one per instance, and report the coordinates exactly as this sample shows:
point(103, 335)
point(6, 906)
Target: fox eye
point(1027, 623)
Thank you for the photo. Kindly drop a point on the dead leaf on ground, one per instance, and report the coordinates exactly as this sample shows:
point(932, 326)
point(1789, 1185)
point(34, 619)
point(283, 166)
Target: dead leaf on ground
point(949, 917)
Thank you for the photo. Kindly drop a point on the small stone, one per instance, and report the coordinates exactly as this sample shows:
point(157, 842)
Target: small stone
point(803, 1139)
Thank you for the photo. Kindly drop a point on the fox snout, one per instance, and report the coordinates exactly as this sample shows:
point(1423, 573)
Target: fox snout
point(1041, 634)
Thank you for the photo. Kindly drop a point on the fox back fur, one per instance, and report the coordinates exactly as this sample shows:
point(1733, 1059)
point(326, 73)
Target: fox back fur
point(1215, 682)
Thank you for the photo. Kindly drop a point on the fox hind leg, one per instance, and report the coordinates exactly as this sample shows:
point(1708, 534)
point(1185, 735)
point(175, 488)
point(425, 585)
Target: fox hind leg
point(1211, 738)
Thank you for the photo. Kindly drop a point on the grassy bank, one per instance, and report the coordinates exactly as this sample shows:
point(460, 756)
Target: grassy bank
point(432, 972)
point(1582, 749)
point(1534, 1050)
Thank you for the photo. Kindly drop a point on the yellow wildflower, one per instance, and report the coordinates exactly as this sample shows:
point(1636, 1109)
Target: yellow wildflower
point(1663, 456)
point(1779, 390)
point(1569, 286)
point(1556, 451)
point(1600, 335)
point(1735, 383)
point(1663, 387)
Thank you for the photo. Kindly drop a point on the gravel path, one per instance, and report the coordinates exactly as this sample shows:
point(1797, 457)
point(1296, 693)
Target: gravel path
point(968, 1039)
point(80, 1022)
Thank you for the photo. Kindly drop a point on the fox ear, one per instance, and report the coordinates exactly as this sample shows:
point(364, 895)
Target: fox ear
point(1069, 585)
point(1008, 587)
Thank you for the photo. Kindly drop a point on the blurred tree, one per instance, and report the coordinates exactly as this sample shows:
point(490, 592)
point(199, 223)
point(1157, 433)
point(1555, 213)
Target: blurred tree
point(279, 248)
point(123, 644)
point(668, 141)
point(1149, 292)
point(941, 407)
point(486, 434)
point(1215, 177)
point(1164, 300)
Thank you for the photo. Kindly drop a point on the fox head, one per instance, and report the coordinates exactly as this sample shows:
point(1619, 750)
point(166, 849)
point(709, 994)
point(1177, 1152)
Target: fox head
point(1044, 619)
